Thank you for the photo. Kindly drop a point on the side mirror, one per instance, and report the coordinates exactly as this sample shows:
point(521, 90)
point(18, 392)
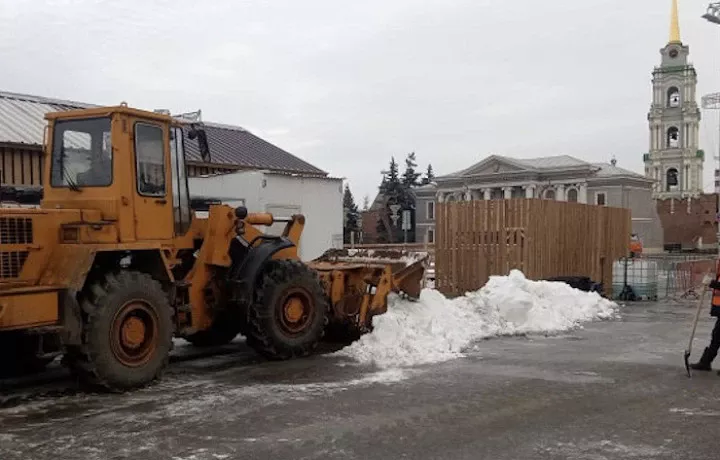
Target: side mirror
point(201, 136)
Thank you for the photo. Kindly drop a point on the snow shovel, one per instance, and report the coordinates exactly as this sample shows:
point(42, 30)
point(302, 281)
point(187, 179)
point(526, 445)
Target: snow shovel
point(701, 301)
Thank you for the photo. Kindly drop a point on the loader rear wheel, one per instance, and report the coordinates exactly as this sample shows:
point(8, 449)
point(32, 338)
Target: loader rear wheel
point(290, 311)
point(127, 335)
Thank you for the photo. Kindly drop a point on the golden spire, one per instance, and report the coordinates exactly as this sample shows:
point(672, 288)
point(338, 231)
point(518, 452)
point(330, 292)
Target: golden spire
point(674, 24)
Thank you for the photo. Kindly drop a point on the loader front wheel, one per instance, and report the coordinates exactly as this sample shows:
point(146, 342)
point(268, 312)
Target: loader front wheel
point(290, 311)
point(127, 335)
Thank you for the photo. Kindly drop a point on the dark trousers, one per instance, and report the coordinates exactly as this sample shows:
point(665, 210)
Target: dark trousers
point(715, 341)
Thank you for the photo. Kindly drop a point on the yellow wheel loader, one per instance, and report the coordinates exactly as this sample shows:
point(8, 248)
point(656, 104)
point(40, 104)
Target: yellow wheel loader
point(115, 263)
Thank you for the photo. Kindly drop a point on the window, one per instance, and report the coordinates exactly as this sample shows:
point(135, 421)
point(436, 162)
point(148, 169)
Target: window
point(671, 179)
point(600, 199)
point(549, 194)
point(572, 195)
point(431, 210)
point(150, 160)
point(431, 236)
point(673, 138)
point(673, 97)
point(81, 153)
point(181, 200)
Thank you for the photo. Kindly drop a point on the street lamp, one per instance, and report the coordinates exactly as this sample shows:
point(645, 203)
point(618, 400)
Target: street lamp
point(713, 13)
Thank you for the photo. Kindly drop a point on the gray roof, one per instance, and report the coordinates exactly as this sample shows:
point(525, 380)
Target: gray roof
point(554, 162)
point(608, 170)
point(544, 164)
point(22, 122)
point(21, 116)
point(235, 146)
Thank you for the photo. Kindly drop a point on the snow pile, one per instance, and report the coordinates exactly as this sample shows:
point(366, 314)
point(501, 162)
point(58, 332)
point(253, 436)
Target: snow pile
point(436, 328)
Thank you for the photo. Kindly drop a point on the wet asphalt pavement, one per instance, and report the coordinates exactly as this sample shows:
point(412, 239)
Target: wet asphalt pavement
point(614, 390)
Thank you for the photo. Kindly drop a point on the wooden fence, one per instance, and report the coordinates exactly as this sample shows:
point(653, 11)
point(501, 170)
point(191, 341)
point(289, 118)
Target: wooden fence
point(541, 238)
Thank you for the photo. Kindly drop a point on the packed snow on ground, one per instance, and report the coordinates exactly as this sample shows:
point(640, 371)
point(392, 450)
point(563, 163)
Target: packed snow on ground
point(436, 328)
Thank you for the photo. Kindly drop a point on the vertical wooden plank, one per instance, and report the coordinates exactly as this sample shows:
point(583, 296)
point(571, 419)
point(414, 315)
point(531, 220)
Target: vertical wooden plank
point(16, 167)
point(472, 250)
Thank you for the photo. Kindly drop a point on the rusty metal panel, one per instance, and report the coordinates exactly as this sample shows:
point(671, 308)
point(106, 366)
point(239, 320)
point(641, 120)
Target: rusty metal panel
point(68, 266)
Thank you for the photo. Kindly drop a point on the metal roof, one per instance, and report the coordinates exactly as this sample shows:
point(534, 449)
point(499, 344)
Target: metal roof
point(554, 162)
point(22, 116)
point(608, 170)
point(22, 122)
point(235, 146)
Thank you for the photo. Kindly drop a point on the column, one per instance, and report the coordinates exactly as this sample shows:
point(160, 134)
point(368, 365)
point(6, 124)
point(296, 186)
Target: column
point(560, 192)
point(507, 192)
point(582, 194)
point(529, 191)
point(468, 195)
point(440, 197)
point(486, 193)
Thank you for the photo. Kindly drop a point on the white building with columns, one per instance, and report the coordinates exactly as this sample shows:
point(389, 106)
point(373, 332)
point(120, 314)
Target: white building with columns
point(561, 178)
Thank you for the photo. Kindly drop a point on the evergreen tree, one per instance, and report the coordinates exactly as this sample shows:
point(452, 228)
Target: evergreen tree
point(392, 178)
point(410, 177)
point(390, 188)
point(429, 175)
point(352, 215)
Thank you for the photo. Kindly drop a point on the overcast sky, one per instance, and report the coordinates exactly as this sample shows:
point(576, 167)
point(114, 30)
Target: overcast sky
point(347, 84)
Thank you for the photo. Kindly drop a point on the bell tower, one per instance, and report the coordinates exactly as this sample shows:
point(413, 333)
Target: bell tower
point(674, 160)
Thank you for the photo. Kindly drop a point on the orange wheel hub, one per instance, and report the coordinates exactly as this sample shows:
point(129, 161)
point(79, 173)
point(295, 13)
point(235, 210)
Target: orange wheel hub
point(134, 333)
point(297, 309)
point(293, 309)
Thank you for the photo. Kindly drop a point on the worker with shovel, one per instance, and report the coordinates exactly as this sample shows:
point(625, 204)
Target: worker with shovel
point(711, 350)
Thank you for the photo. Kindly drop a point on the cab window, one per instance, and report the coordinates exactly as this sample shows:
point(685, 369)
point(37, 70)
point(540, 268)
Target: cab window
point(150, 160)
point(181, 200)
point(81, 153)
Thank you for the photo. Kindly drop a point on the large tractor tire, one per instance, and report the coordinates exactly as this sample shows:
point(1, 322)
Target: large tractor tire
point(127, 332)
point(290, 311)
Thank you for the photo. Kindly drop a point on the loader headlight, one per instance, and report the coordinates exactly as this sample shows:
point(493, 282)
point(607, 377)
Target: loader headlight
point(70, 234)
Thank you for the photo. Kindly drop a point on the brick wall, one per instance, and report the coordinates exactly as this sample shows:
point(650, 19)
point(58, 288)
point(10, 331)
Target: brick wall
point(369, 226)
point(691, 227)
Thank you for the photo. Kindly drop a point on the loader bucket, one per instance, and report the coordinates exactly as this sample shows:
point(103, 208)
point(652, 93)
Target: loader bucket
point(407, 267)
point(357, 283)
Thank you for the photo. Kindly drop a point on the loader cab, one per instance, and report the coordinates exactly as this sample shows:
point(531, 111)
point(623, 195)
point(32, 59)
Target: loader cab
point(123, 168)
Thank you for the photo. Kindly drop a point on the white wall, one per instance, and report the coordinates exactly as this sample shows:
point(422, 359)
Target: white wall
point(318, 199)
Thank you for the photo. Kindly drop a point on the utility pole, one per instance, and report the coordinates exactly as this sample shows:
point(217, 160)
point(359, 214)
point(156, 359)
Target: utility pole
point(712, 102)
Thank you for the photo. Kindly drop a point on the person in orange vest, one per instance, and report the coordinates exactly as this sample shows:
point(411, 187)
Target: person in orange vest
point(711, 350)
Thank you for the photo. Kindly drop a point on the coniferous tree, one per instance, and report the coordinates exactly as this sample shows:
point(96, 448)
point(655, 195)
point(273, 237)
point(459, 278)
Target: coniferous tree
point(429, 175)
point(410, 176)
point(352, 215)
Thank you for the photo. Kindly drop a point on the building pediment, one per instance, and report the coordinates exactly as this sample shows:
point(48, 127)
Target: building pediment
point(494, 165)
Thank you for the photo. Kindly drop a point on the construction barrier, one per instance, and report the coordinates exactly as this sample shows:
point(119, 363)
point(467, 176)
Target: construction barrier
point(685, 279)
point(635, 279)
point(542, 238)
